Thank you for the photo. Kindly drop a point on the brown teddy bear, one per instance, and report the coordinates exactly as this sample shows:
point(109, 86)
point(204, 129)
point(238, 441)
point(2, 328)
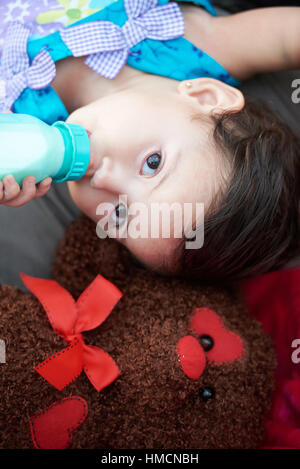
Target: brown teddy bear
point(109, 355)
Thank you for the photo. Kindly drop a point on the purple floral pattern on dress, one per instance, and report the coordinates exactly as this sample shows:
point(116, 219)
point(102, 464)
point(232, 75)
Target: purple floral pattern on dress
point(34, 12)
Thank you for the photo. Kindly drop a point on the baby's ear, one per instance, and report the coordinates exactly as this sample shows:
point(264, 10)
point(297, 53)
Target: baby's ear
point(210, 96)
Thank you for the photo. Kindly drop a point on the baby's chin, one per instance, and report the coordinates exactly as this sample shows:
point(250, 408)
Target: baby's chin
point(76, 192)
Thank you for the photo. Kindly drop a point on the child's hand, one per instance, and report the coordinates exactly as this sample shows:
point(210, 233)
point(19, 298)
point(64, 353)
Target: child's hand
point(13, 196)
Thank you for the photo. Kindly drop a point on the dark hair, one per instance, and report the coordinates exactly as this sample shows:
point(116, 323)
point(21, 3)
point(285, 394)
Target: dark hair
point(252, 226)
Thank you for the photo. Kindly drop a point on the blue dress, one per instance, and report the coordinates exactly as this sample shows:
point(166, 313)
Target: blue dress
point(178, 59)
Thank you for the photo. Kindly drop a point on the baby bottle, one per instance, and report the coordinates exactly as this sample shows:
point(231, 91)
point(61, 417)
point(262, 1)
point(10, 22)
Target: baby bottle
point(30, 147)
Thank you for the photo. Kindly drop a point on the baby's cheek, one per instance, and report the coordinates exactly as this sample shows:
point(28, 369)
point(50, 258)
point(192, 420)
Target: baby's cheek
point(155, 253)
point(84, 197)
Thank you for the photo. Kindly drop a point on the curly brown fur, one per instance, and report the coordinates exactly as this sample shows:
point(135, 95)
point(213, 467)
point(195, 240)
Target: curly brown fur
point(153, 404)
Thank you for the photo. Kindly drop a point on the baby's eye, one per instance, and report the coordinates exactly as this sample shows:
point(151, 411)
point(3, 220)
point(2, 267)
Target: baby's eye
point(151, 164)
point(119, 215)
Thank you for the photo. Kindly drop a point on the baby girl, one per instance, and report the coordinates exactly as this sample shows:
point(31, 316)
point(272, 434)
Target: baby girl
point(175, 132)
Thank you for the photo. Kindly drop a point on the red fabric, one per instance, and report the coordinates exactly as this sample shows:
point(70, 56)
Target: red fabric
point(53, 427)
point(228, 346)
point(274, 299)
point(68, 319)
point(191, 356)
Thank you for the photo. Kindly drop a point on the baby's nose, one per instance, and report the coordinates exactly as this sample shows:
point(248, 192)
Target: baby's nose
point(107, 176)
point(102, 172)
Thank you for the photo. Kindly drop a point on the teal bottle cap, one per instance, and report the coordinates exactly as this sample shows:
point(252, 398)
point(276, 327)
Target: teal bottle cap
point(77, 152)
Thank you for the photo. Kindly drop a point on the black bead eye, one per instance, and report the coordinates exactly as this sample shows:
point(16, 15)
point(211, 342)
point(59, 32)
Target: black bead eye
point(207, 342)
point(207, 393)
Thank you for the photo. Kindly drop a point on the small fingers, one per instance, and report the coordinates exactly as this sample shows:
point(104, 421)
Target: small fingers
point(43, 187)
point(10, 188)
point(13, 195)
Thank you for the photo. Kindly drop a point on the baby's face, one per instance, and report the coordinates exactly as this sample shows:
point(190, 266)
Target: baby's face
point(146, 147)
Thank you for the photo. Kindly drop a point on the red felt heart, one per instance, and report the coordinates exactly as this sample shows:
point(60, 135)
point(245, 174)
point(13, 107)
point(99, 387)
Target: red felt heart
point(191, 356)
point(53, 427)
point(228, 345)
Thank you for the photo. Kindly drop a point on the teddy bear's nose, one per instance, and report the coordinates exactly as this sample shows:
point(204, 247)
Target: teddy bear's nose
point(191, 356)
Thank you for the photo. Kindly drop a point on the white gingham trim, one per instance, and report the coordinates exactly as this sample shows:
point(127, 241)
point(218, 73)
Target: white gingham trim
point(107, 45)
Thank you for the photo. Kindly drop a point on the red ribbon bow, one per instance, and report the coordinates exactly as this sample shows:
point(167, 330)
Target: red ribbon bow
point(69, 319)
